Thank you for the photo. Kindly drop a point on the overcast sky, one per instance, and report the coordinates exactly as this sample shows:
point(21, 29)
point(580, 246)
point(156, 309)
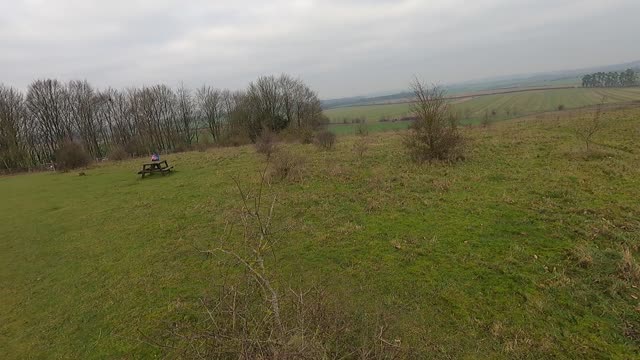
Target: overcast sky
point(338, 47)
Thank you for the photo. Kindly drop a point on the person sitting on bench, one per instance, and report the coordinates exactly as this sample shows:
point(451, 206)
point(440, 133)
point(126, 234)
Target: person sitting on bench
point(155, 157)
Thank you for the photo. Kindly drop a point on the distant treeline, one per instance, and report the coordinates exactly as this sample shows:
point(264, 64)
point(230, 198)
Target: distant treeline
point(35, 125)
point(611, 79)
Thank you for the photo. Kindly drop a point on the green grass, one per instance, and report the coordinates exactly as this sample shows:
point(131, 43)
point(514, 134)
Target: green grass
point(473, 260)
point(522, 103)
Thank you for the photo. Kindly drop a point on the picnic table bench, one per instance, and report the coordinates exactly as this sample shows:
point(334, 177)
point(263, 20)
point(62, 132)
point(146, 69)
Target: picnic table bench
point(161, 167)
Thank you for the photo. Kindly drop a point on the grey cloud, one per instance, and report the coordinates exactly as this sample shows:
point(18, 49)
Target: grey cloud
point(339, 47)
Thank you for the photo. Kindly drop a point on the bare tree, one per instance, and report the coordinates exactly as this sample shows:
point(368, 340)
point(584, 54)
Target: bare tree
point(588, 127)
point(278, 103)
point(13, 138)
point(45, 102)
point(434, 134)
point(186, 114)
point(153, 109)
point(79, 109)
point(113, 112)
point(211, 110)
point(155, 118)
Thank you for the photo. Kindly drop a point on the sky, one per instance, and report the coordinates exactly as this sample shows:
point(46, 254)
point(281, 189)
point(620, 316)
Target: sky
point(338, 47)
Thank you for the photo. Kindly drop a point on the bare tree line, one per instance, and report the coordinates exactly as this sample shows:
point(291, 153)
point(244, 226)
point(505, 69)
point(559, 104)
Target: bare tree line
point(34, 125)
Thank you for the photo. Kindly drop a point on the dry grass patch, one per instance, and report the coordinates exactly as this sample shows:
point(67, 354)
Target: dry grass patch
point(628, 268)
point(581, 255)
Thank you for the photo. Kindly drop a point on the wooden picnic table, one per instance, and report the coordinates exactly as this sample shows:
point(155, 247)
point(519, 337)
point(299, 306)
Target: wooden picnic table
point(161, 167)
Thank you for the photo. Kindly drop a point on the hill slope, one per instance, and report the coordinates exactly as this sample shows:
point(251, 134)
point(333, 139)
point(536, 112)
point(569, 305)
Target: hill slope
point(516, 252)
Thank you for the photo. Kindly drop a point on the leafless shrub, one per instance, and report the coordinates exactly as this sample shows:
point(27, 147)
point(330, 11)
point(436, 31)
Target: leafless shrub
point(360, 146)
point(266, 143)
point(325, 139)
point(306, 136)
point(200, 147)
point(118, 153)
point(434, 134)
point(235, 138)
point(362, 129)
point(303, 135)
point(587, 128)
point(257, 316)
point(181, 147)
point(71, 155)
point(286, 165)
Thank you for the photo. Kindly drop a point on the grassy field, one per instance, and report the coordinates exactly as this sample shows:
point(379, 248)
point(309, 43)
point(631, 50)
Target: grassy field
point(517, 252)
point(505, 105)
point(350, 129)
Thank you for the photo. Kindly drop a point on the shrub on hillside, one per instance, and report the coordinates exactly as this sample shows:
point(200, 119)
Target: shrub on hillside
point(362, 129)
point(118, 153)
point(361, 146)
point(235, 138)
point(72, 155)
point(259, 316)
point(266, 143)
point(434, 134)
point(202, 144)
point(287, 165)
point(586, 129)
point(201, 147)
point(304, 135)
point(325, 139)
point(181, 147)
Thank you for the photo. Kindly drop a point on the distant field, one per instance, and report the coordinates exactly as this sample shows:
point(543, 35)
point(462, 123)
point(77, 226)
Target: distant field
point(504, 106)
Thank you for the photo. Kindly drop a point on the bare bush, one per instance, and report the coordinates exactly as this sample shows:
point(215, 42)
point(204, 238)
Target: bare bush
point(235, 138)
point(258, 316)
point(71, 155)
point(266, 143)
point(306, 136)
point(362, 129)
point(325, 139)
point(588, 127)
point(118, 153)
point(434, 134)
point(287, 165)
point(303, 135)
point(361, 146)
